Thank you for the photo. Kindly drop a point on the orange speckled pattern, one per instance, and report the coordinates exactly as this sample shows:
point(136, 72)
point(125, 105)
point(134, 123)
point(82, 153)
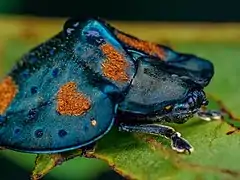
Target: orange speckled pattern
point(8, 91)
point(115, 66)
point(70, 102)
point(148, 47)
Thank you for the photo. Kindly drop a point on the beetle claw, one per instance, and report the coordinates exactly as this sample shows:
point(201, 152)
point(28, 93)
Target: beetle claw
point(180, 144)
point(209, 115)
point(88, 150)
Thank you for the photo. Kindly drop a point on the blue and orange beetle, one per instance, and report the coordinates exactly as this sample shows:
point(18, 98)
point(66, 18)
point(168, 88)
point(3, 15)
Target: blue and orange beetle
point(67, 92)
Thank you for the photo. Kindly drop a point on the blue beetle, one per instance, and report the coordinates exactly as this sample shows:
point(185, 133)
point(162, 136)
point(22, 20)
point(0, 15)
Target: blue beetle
point(68, 92)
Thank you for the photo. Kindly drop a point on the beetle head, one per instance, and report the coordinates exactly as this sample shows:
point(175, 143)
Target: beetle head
point(173, 111)
point(181, 111)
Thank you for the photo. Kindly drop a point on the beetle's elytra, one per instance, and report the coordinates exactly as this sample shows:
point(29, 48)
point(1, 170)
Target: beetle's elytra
point(67, 92)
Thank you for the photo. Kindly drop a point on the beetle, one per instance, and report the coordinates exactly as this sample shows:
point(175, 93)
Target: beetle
point(67, 92)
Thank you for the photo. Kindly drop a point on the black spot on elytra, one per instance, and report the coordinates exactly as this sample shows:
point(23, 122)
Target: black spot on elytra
point(26, 74)
point(52, 52)
point(17, 131)
point(38, 133)
point(2, 119)
point(32, 114)
point(34, 90)
point(55, 72)
point(62, 133)
point(33, 60)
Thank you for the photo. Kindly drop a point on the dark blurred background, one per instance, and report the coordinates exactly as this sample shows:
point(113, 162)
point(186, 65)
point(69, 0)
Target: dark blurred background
point(168, 10)
point(132, 10)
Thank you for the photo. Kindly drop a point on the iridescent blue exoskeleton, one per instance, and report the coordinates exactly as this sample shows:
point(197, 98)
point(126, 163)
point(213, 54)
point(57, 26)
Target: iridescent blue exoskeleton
point(67, 92)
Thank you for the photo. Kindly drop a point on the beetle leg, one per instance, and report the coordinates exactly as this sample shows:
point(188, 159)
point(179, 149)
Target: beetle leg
point(88, 150)
point(178, 143)
point(208, 115)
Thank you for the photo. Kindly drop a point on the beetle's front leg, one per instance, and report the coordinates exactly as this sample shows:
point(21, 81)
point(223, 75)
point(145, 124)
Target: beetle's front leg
point(208, 115)
point(88, 150)
point(178, 143)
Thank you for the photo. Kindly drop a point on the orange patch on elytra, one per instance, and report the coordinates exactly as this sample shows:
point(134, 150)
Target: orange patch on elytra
point(114, 67)
point(70, 102)
point(8, 91)
point(145, 46)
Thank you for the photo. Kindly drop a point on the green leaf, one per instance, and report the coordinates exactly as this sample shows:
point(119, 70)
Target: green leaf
point(46, 162)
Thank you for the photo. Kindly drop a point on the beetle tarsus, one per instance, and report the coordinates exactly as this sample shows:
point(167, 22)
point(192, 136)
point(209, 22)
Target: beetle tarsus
point(88, 150)
point(209, 115)
point(178, 143)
